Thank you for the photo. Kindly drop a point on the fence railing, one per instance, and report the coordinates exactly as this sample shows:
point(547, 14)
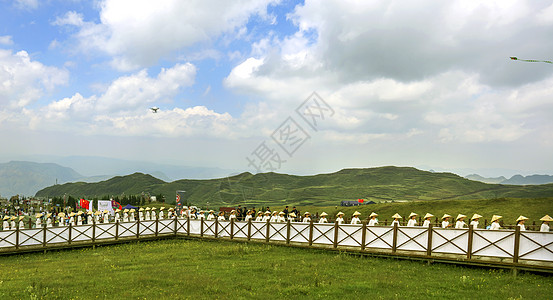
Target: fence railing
point(501, 247)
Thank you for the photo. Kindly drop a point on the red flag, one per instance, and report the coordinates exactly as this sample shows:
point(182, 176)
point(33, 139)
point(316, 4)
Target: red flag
point(116, 204)
point(84, 203)
point(360, 200)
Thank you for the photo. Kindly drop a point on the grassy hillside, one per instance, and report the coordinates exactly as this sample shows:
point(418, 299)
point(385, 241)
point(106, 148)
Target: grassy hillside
point(509, 208)
point(376, 184)
point(227, 270)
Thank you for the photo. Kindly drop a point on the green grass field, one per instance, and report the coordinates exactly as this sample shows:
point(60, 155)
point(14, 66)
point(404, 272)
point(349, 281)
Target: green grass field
point(198, 269)
point(510, 209)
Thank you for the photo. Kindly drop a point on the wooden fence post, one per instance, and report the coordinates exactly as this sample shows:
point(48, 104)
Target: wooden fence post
point(363, 235)
point(288, 225)
point(394, 243)
point(202, 227)
point(157, 225)
point(138, 228)
point(517, 244)
point(267, 232)
point(44, 237)
point(187, 225)
point(70, 229)
point(470, 239)
point(117, 230)
point(429, 237)
point(216, 226)
point(17, 236)
point(335, 243)
point(232, 228)
point(311, 233)
point(249, 229)
point(93, 232)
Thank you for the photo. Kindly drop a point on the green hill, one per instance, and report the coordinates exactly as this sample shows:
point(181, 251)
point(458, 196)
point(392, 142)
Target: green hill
point(377, 184)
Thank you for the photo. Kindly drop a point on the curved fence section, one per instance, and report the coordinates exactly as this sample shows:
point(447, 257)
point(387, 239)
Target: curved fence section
point(502, 247)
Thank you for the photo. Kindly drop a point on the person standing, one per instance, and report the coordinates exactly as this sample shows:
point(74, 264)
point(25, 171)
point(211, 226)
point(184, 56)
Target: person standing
point(495, 222)
point(49, 220)
point(445, 221)
point(323, 219)
point(267, 216)
point(79, 218)
point(545, 223)
point(460, 224)
point(232, 215)
point(106, 216)
point(248, 216)
point(274, 217)
point(221, 216)
point(412, 220)
point(38, 221)
point(12, 223)
point(355, 219)
point(6, 224)
point(520, 222)
point(427, 220)
point(210, 216)
point(141, 214)
point(21, 223)
point(153, 214)
point(396, 218)
point(340, 218)
point(292, 217)
point(306, 217)
point(117, 216)
point(474, 221)
point(281, 218)
point(126, 215)
point(147, 214)
point(373, 219)
point(240, 213)
point(285, 211)
point(259, 217)
point(162, 213)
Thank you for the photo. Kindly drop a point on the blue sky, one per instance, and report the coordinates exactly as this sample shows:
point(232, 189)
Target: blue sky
point(418, 83)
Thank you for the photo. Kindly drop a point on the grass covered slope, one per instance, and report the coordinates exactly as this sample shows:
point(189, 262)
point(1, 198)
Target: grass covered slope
point(195, 269)
point(377, 184)
point(509, 208)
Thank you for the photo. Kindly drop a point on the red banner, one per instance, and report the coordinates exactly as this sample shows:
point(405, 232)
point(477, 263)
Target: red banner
point(84, 203)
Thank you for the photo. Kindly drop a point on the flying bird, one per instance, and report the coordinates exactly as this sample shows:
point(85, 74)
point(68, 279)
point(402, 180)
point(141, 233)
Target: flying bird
point(154, 109)
point(531, 60)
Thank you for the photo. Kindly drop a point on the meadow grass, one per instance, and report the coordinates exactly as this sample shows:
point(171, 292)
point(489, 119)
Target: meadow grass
point(510, 209)
point(197, 269)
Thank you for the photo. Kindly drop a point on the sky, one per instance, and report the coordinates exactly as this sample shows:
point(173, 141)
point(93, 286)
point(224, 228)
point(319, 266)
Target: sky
point(299, 87)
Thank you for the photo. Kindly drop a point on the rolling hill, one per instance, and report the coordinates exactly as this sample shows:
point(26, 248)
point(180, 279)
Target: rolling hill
point(376, 184)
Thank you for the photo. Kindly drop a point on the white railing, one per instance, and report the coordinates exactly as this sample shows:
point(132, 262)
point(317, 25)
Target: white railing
point(506, 246)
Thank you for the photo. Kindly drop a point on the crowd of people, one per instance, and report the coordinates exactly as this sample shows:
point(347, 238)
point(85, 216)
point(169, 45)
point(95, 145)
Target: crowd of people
point(50, 219)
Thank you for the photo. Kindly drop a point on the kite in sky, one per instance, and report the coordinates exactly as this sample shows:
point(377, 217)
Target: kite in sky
point(531, 60)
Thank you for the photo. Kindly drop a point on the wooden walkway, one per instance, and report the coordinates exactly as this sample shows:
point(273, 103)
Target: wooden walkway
point(514, 249)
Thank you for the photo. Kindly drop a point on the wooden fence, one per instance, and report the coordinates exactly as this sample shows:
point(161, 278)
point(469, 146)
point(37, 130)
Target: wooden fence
point(503, 248)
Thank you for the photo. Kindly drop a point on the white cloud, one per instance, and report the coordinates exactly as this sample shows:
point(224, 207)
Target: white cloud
point(70, 18)
point(23, 81)
point(26, 4)
point(6, 40)
point(139, 33)
point(122, 109)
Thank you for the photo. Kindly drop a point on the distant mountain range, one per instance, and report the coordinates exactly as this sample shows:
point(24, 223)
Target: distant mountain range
point(373, 184)
point(516, 179)
point(26, 178)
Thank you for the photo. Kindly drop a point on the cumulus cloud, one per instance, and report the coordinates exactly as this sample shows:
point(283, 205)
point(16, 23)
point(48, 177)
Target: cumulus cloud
point(23, 81)
point(122, 109)
point(139, 33)
point(433, 70)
